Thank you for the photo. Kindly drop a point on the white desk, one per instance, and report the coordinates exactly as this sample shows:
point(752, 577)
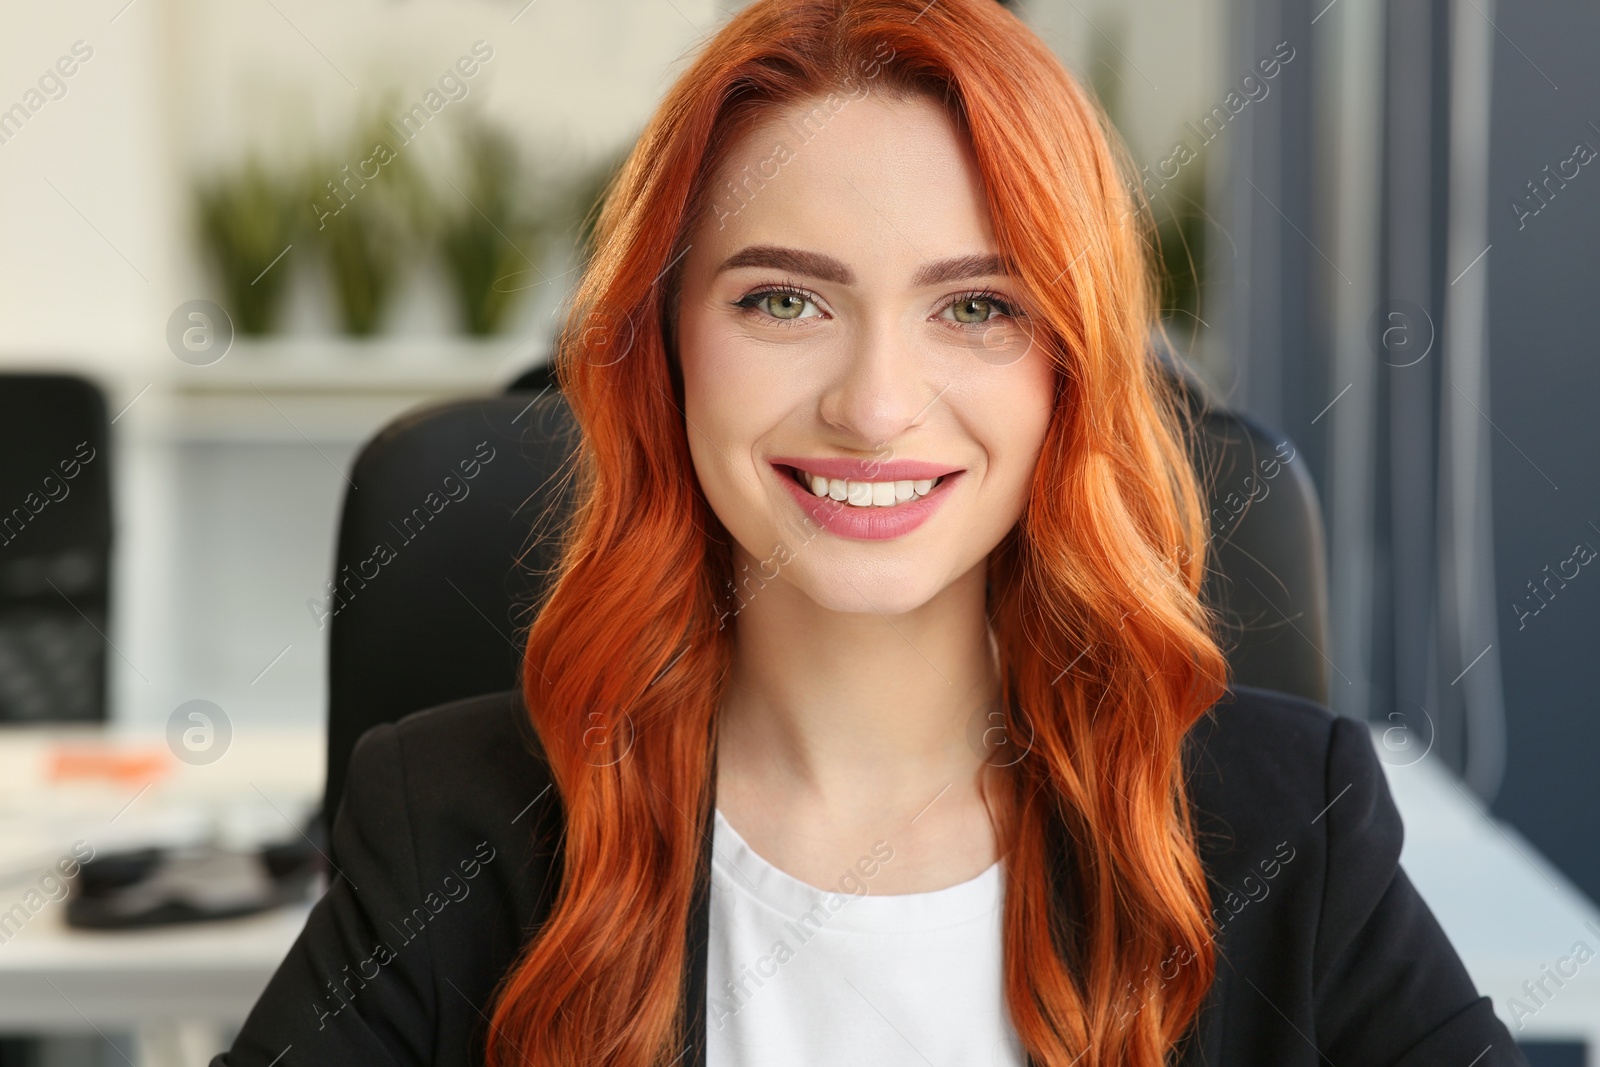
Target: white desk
point(177, 988)
point(1507, 910)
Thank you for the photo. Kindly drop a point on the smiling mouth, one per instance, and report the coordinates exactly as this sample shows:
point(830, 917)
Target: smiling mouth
point(862, 494)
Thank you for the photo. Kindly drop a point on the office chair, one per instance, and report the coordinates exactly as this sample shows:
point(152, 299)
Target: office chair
point(441, 616)
point(55, 560)
point(431, 578)
point(55, 548)
point(1267, 578)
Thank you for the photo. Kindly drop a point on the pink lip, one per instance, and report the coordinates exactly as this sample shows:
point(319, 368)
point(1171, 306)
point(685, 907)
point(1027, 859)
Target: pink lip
point(867, 470)
point(870, 523)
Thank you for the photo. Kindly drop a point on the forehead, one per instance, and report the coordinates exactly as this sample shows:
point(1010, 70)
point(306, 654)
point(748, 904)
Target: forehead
point(883, 182)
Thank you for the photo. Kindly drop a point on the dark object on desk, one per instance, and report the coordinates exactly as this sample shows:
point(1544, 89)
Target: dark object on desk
point(55, 548)
point(436, 563)
point(161, 887)
point(443, 620)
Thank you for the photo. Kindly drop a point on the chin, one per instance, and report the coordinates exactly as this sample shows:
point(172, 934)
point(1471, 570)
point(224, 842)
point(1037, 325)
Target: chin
point(872, 590)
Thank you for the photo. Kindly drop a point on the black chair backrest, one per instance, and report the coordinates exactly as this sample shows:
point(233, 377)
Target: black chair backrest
point(429, 601)
point(1267, 577)
point(441, 614)
point(55, 548)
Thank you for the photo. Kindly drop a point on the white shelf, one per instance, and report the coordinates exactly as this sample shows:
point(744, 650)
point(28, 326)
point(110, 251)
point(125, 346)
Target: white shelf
point(384, 365)
point(327, 390)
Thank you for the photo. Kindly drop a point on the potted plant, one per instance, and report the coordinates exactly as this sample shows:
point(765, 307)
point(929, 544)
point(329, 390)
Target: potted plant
point(487, 235)
point(246, 223)
point(364, 210)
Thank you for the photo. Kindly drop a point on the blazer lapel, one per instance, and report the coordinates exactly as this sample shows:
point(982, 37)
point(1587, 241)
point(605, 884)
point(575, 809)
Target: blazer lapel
point(693, 1011)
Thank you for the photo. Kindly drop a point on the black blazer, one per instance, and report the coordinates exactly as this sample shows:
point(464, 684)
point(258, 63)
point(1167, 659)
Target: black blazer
point(446, 852)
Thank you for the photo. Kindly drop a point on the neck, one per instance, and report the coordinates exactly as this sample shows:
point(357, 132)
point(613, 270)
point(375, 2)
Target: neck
point(859, 710)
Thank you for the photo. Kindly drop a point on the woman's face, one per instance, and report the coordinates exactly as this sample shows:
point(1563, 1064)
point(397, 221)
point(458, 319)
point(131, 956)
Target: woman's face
point(865, 402)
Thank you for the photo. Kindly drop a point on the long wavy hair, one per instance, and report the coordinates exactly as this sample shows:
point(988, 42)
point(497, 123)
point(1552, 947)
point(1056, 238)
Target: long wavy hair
point(1107, 655)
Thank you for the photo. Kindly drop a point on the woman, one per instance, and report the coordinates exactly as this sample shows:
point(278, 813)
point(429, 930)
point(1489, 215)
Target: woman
point(873, 713)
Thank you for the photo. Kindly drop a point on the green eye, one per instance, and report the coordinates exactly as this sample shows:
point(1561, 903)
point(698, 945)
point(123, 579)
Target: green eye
point(973, 309)
point(783, 305)
point(978, 309)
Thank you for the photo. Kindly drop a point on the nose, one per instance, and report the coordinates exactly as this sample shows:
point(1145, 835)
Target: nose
point(880, 391)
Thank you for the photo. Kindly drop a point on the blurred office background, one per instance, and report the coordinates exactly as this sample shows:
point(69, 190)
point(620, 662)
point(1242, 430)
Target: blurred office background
point(1380, 233)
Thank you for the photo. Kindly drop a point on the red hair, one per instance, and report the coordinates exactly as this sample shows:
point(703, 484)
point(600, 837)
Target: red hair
point(1107, 655)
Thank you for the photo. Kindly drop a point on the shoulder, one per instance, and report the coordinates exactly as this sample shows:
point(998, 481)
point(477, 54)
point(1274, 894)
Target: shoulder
point(1320, 929)
point(467, 772)
point(1278, 731)
point(482, 743)
point(442, 858)
point(1268, 772)
point(462, 787)
point(480, 728)
point(1258, 754)
point(470, 818)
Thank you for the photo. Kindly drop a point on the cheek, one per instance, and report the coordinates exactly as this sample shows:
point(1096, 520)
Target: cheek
point(723, 389)
point(731, 398)
point(1011, 419)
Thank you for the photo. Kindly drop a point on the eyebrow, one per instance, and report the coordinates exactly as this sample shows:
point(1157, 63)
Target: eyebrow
point(828, 269)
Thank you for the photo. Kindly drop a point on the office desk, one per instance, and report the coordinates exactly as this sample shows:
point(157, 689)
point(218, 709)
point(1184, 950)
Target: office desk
point(1509, 912)
point(181, 989)
point(178, 989)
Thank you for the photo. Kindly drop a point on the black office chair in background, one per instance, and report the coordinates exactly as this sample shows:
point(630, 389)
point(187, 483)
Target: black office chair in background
point(55, 548)
point(441, 614)
point(55, 560)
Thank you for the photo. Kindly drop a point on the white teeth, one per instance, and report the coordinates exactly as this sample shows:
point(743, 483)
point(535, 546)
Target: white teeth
point(867, 494)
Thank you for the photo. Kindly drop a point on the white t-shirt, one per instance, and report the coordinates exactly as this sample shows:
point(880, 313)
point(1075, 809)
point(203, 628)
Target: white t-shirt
point(799, 976)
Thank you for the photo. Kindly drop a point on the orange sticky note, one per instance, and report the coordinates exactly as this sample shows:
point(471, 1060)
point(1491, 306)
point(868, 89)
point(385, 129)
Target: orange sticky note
point(109, 763)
